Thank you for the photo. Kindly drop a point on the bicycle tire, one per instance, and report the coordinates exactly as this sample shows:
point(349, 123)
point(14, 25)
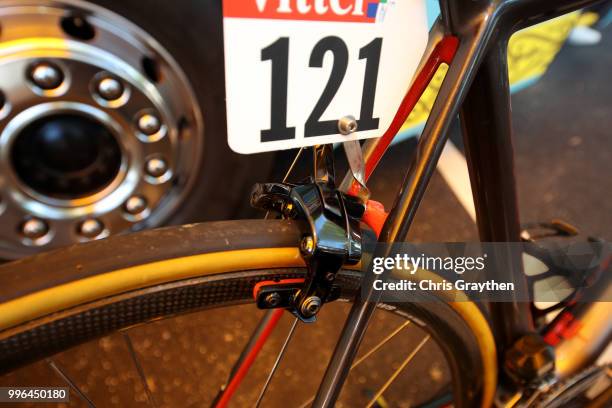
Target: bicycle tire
point(104, 286)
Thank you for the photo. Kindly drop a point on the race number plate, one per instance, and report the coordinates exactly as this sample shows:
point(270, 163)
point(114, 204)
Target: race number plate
point(293, 68)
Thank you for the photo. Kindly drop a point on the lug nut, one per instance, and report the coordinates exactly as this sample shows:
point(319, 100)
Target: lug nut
point(149, 124)
point(110, 88)
point(156, 167)
point(272, 299)
point(34, 228)
point(135, 205)
point(91, 228)
point(347, 125)
point(307, 245)
point(311, 306)
point(46, 76)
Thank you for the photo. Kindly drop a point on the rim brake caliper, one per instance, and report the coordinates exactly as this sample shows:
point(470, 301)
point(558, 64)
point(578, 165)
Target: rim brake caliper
point(331, 236)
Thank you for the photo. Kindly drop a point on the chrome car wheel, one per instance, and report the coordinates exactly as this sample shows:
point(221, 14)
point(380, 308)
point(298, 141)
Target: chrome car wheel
point(100, 130)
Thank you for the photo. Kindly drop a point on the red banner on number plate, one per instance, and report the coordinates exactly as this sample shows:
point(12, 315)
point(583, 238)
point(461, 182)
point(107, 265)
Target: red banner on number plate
point(354, 11)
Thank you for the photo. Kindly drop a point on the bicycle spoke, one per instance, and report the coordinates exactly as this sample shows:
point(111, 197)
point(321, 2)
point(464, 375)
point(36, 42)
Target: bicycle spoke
point(397, 372)
point(288, 173)
point(71, 383)
point(263, 323)
point(368, 354)
point(141, 374)
point(269, 312)
point(380, 344)
point(293, 163)
point(277, 362)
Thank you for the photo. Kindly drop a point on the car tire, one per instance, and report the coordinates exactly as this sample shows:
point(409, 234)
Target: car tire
point(192, 32)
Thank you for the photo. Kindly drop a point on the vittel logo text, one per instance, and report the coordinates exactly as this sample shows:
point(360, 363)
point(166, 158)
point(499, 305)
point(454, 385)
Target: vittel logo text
point(320, 7)
point(357, 11)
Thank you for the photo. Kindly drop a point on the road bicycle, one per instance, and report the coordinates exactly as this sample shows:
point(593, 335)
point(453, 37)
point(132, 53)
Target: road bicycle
point(495, 351)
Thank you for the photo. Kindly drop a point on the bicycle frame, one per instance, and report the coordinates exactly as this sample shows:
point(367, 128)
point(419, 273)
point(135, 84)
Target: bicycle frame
point(477, 88)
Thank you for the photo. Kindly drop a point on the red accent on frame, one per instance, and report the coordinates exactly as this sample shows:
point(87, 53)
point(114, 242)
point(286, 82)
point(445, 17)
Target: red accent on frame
point(248, 361)
point(566, 326)
point(444, 52)
point(375, 216)
point(272, 283)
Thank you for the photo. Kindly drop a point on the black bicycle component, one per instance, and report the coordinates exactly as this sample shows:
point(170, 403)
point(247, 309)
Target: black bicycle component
point(548, 243)
point(564, 392)
point(275, 296)
point(530, 360)
point(567, 392)
point(284, 295)
point(332, 236)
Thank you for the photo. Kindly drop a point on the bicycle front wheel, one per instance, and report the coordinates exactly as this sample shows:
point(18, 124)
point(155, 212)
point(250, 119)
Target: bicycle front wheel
point(54, 301)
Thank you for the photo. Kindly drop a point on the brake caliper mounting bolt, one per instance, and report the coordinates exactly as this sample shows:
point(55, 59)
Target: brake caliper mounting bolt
point(149, 124)
point(347, 125)
point(46, 76)
point(311, 306)
point(34, 228)
point(307, 245)
point(530, 360)
point(272, 299)
point(110, 88)
point(91, 228)
point(156, 167)
point(135, 205)
point(287, 209)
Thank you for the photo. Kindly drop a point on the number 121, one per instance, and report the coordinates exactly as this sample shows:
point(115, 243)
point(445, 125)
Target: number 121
point(278, 54)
